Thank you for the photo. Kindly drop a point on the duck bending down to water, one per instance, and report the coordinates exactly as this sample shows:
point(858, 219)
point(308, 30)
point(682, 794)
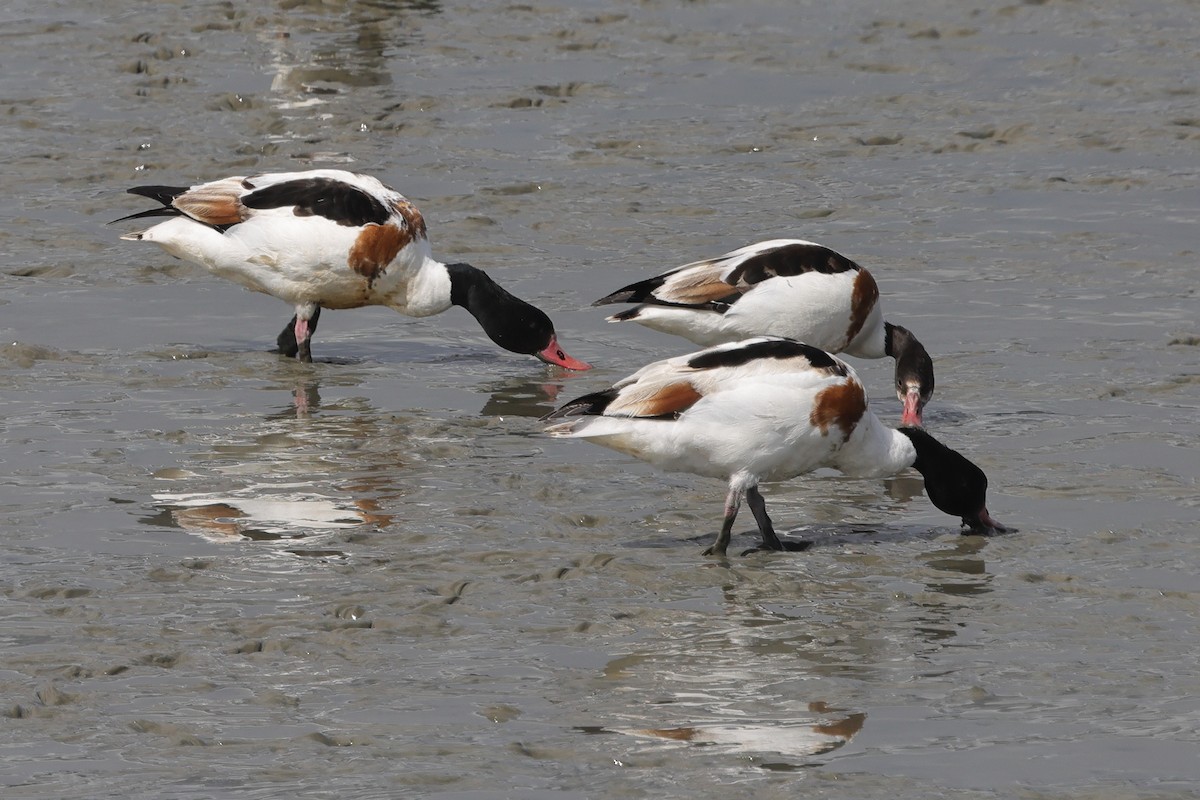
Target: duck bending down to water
point(766, 409)
point(334, 239)
point(783, 287)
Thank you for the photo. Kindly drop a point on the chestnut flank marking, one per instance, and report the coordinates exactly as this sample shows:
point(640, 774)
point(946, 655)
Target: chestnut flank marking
point(375, 248)
point(411, 216)
point(862, 301)
point(842, 404)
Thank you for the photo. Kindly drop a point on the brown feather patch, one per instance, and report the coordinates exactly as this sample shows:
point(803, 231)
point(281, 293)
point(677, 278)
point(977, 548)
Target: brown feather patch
point(842, 404)
point(375, 248)
point(411, 215)
point(213, 204)
point(667, 400)
point(695, 288)
point(862, 302)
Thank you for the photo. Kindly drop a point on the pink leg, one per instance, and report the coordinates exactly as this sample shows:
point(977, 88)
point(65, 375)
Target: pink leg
point(733, 501)
point(303, 335)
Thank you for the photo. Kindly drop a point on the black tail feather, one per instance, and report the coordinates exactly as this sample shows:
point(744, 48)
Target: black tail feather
point(640, 292)
point(589, 405)
point(627, 314)
point(163, 194)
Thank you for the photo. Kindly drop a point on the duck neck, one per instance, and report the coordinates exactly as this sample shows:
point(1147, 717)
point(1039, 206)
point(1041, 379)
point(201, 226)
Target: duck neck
point(928, 454)
point(953, 483)
point(875, 450)
point(914, 371)
point(945, 470)
point(507, 320)
point(900, 343)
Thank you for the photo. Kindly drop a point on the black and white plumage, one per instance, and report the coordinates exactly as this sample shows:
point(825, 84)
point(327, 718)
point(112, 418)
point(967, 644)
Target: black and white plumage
point(334, 239)
point(782, 287)
point(766, 409)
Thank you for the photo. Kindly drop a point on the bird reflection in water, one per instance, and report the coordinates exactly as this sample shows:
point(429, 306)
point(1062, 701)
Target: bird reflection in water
point(520, 398)
point(832, 729)
point(307, 502)
point(243, 515)
point(322, 48)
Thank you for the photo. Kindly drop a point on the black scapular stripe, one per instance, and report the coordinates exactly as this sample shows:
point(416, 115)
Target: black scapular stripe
point(324, 197)
point(791, 259)
point(771, 348)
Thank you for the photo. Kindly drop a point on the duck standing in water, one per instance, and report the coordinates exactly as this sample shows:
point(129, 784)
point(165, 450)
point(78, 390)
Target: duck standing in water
point(783, 287)
point(766, 409)
point(334, 239)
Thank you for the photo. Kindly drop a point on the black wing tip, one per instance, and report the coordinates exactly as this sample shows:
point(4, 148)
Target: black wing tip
point(640, 292)
point(589, 405)
point(163, 194)
point(620, 296)
point(154, 212)
point(630, 294)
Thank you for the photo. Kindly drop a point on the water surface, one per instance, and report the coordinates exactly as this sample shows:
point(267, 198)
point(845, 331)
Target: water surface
point(227, 574)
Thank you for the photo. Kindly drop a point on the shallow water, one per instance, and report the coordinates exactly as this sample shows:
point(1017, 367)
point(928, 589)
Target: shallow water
point(227, 574)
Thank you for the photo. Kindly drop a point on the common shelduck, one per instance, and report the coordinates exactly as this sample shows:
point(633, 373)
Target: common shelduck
point(782, 287)
point(328, 238)
point(766, 409)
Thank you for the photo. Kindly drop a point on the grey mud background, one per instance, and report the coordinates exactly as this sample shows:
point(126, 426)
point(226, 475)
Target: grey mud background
point(228, 575)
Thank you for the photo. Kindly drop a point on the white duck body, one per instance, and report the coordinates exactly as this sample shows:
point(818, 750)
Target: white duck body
point(790, 288)
point(308, 258)
point(765, 409)
point(328, 238)
point(755, 418)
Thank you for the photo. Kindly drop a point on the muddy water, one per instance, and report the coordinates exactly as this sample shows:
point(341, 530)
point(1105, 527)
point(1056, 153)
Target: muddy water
point(226, 574)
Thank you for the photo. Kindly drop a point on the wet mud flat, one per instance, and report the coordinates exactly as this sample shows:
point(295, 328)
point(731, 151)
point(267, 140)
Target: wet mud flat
point(227, 574)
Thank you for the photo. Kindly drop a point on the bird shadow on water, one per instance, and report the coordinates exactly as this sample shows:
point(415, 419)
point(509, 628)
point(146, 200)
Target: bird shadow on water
point(807, 538)
point(815, 536)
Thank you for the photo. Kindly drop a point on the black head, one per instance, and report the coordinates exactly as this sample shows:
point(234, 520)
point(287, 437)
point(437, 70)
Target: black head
point(953, 483)
point(914, 372)
point(507, 320)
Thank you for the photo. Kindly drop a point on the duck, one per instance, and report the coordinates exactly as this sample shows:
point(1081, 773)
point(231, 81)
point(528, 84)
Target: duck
point(792, 288)
point(329, 238)
point(766, 409)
